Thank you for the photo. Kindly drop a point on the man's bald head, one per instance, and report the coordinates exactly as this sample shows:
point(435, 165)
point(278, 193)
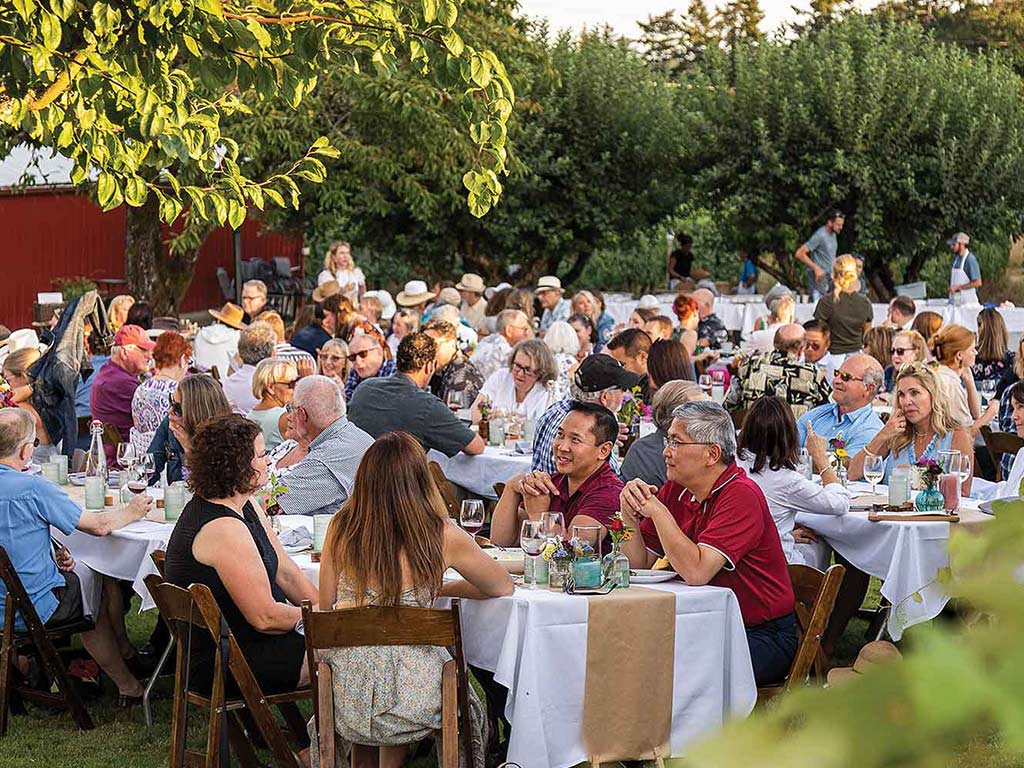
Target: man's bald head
point(790, 339)
point(705, 301)
point(17, 429)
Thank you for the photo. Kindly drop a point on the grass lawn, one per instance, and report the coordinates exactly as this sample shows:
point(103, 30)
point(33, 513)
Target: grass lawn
point(121, 739)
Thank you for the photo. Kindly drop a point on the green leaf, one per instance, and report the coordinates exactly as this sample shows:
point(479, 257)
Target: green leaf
point(192, 45)
point(63, 8)
point(50, 26)
point(236, 214)
point(170, 209)
point(25, 8)
point(105, 189)
point(429, 11)
point(274, 196)
point(448, 12)
point(135, 191)
point(480, 70)
point(453, 42)
point(259, 32)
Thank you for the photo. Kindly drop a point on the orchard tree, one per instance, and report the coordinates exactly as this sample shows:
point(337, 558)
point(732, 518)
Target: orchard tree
point(672, 44)
point(138, 95)
point(912, 138)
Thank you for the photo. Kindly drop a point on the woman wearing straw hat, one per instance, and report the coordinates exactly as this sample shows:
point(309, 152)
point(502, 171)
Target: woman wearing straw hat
point(415, 296)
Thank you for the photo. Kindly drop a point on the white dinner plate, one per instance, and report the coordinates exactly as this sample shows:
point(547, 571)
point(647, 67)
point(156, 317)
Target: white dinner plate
point(645, 576)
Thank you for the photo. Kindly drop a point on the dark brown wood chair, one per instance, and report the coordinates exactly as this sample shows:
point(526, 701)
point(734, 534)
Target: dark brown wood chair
point(111, 436)
point(194, 610)
point(499, 488)
point(999, 443)
point(446, 490)
point(37, 638)
point(739, 417)
point(815, 593)
point(359, 627)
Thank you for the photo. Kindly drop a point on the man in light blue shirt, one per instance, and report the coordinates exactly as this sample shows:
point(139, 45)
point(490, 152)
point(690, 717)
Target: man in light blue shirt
point(29, 505)
point(854, 387)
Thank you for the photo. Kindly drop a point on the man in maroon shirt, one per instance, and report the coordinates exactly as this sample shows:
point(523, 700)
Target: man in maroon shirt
point(116, 382)
point(585, 489)
point(713, 524)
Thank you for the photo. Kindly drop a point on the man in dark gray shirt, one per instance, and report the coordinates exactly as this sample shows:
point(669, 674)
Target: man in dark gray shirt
point(400, 403)
point(819, 253)
point(646, 457)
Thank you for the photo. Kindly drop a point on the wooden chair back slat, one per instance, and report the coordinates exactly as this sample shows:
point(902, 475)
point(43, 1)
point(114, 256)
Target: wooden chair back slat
point(998, 443)
point(739, 417)
point(159, 558)
point(445, 488)
point(815, 594)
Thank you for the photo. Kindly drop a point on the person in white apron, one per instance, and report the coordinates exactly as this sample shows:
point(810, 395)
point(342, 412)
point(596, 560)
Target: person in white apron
point(965, 276)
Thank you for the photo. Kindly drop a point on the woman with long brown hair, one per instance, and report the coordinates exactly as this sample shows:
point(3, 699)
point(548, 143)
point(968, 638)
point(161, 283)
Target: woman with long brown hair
point(390, 545)
point(994, 355)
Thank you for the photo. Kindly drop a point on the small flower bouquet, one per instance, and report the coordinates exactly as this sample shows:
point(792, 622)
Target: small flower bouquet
point(929, 471)
point(485, 408)
point(837, 446)
point(930, 499)
point(632, 409)
point(561, 556)
point(618, 530)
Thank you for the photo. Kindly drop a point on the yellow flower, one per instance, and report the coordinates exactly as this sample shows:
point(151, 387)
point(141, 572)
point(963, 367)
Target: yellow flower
point(841, 453)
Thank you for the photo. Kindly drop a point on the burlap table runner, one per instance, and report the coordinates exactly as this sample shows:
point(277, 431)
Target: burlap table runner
point(627, 701)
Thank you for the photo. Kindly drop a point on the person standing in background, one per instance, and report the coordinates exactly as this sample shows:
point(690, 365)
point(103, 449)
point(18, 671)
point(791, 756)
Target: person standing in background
point(819, 253)
point(965, 276)
point(680, 261)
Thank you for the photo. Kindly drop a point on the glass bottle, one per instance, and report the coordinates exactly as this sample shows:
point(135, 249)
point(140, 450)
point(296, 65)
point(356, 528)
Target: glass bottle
point(96, 475)
point(615, 567)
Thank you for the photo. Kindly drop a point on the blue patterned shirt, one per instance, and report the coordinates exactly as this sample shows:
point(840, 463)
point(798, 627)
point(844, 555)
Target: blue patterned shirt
point(353, 380)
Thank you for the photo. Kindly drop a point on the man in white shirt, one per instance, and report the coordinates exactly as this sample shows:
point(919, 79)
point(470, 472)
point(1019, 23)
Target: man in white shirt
point(901, 313)
point(472, 287)
point(819, 341)
point(256, 343)
point(550, 295)
point(491, 354)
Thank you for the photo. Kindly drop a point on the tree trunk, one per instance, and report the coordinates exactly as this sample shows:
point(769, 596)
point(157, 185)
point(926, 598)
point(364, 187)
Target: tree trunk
point(577, 268)
point(154, 274)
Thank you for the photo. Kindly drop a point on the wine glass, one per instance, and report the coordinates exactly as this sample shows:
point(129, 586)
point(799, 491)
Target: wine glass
point(874, 470)
point(455, 401)
point(531, 539)
point(988, 389)
point(806, 464)
point(125, 459)
point(471, 515)
point(950, 461)
point(147, 466)
point(705, 384)
point(553, 525)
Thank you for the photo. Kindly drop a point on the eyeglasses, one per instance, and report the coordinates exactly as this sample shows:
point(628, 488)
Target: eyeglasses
point(517, 368)
point(901, 350)
point(361, 355)
point(846, 376)
point(332, 358)
point(292, 408)
point(175, 407)
point(289, 384)
point(672, 443)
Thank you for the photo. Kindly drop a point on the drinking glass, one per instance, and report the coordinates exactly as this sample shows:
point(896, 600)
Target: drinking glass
point(147, 466)
point(125, 459)
point(455, 400)
point(532, 541)
point(471, 515)
point(705, 384)
point(874, 470)
point(806, 464)
point(950, 461)
point(988, 389)
point(553, 525)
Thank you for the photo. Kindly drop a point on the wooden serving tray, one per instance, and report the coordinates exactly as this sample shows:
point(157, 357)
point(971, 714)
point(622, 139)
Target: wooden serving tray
point(930, 517)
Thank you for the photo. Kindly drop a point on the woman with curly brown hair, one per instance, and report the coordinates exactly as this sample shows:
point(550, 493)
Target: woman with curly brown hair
point(224, 540)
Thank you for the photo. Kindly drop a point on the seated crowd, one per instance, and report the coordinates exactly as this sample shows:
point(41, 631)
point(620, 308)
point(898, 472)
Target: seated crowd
point(343, 408)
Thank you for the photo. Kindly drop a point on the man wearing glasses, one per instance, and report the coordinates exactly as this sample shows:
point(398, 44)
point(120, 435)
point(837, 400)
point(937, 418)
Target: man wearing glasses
point(713, 524)
point(116, 382)
point(254, 299)
point(854, 387)
point(370, 358)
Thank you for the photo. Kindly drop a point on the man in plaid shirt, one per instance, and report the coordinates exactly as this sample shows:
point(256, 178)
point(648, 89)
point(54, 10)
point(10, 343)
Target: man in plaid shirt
point(599, 379)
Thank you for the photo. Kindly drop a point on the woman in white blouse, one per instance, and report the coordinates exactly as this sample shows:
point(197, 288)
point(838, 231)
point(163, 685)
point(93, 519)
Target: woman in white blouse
point(769, 450)
point(955, 350)
point(1011, 485)
point(339, 266)
point(522, 387)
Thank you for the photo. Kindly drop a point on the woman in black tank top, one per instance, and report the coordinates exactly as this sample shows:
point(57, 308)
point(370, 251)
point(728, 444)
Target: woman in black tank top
point(221, 540)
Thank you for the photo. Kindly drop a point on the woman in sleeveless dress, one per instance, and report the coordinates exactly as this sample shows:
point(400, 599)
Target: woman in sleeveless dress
point(920, 427)
point(388, 546)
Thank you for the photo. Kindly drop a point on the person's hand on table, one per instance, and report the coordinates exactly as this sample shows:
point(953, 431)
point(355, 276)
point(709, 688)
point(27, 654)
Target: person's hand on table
point(639, 499)
point(803, 535)
point(140, 505)
point(65, 562)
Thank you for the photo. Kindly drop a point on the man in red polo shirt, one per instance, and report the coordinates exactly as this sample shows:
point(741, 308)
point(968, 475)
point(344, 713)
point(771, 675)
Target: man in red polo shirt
point(585, 489)
point(713, 524)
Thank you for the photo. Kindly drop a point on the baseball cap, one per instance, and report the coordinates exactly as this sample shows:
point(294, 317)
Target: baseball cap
point(959, 237)
point(133, 334)
point(598, 372)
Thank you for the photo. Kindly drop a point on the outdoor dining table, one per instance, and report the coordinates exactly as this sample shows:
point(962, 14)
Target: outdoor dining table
point(535, 643)
point(908, 556)
point(479, 473)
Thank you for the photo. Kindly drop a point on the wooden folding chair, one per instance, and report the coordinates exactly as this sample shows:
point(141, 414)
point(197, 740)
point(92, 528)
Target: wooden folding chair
point(446, 490)
point(158, 557)
point(999, 443)
point(359, 627)
point(194, 610)
point(39, 638)
point(111, 435)
point(815, 596)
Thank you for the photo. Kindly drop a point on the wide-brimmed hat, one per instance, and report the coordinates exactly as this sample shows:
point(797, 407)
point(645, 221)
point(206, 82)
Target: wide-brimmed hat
point(230, 314)
point(326, 290)
point(23, 338)
point(648, 302)
point(471, 282)
point(386, 302)
point(549, 283)
point(449, 296)
point(415, 293)
point(872, 655)
point(489, 293)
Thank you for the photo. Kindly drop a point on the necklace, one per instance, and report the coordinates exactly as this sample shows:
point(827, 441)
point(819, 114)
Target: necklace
point(928, 449)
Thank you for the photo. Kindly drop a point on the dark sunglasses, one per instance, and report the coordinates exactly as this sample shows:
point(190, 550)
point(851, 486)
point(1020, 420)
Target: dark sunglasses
point(900, 350)
point(175, 406)
point(845, 376)
point(361, 355)
point(289, 384)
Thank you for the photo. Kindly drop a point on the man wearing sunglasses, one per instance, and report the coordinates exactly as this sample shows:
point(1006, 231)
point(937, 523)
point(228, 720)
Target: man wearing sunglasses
point(370, 358)
point(854, 386)
point(713, 524)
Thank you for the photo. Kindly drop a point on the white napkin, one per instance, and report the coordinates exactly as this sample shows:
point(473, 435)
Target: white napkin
point(296, 539)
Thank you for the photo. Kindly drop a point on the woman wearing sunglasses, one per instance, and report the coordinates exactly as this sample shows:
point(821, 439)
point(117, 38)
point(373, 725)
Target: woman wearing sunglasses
point(274, 384)
point(921, 426)
point(332, 358)
point(196, 400)
point(906, 347)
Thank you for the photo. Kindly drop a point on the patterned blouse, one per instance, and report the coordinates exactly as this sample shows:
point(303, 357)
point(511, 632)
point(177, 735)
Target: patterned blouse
point(802, 385)
point(984, 370)
point(149, 407)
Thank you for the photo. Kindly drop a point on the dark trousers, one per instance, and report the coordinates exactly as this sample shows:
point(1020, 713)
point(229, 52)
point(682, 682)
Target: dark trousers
point(772, 649)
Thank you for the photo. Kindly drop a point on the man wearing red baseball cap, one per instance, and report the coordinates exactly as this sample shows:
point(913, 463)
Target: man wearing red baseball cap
point(116, 382)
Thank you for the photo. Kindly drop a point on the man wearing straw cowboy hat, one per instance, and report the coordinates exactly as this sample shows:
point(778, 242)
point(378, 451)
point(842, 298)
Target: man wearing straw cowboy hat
point(216, 344)
point(473, 305)
point(556, 306)
point(415, 296)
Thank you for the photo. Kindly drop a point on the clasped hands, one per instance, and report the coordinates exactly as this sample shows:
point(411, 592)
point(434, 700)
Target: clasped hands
point(638, 499)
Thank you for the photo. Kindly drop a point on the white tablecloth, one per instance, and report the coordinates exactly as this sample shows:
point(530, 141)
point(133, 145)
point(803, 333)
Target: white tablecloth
point(478, 474)
point(907, 557)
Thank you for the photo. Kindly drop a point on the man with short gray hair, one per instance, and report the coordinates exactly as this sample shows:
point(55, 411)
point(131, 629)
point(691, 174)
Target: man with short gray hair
point(491, 354)
point(254, 299)
point(255, 344)
point(322, 482)
point(855, 385)
point(712, 523)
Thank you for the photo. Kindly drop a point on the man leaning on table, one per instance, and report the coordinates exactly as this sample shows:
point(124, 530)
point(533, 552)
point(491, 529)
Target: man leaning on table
point(585, 489)
point(854, 386)
point(29, 505)
point(713, 524)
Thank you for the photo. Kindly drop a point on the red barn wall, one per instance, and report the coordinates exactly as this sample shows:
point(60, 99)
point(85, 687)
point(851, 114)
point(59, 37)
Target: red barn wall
point(48, 234)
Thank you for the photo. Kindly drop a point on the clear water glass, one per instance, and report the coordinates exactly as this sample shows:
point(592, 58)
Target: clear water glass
point(531, 539)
